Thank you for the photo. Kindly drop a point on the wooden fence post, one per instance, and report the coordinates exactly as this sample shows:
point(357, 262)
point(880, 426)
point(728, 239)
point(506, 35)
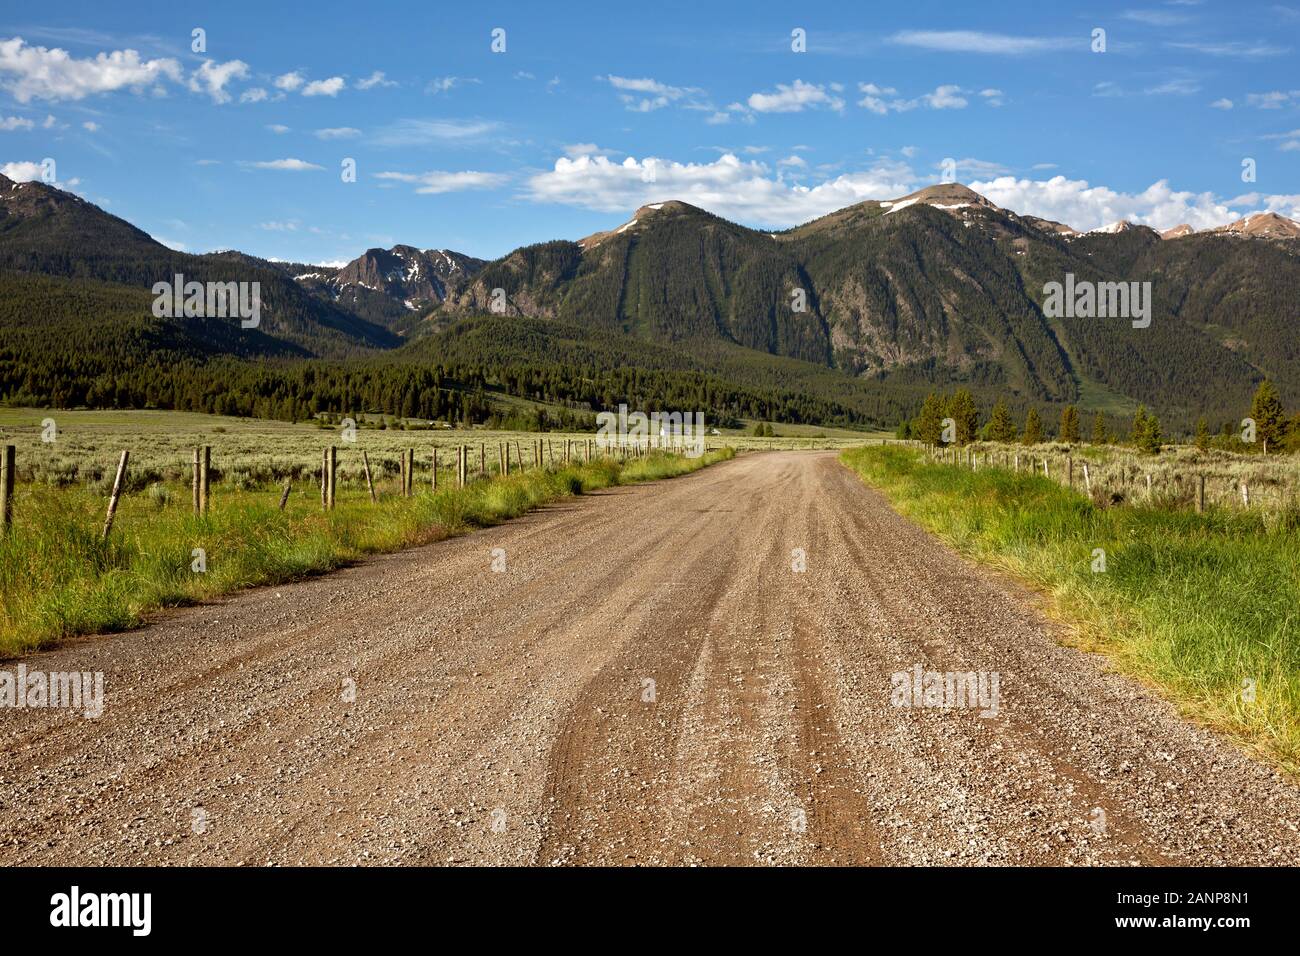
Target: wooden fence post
point(205, 479)
point(334, 473)
point(1069, 466)
point(197, 494)
point(1245, 495)
point(482, 460)
point(501, 460)
point(370, 482)
point(461, 466)
point(117, 493)
point(1200, 494)
point(433, 482)
point(410, 472)
point(284, 497)
point(324, 479)
point(1087, 482)
point(7, 488)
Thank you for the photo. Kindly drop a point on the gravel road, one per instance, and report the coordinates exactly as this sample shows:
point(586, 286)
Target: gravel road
point(644, 678)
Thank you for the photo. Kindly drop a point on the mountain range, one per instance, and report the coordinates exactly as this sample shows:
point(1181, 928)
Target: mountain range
point(864, 309)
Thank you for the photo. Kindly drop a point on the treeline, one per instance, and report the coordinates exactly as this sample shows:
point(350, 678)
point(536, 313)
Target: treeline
point(946, 419)
point(463, 394)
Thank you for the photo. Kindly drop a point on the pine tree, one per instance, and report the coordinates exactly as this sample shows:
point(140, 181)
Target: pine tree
point(1139, 426)
point(929, 424)
point(1202, 434)
point(1146, 433)
point(962, 410)
point(1001, 426)
point(1069, 424)
point(1033, 428)
point(1270, 418)
point(1099, 429)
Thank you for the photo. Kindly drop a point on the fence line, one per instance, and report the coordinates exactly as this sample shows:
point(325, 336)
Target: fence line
point(1186, 485)
point(544, 454)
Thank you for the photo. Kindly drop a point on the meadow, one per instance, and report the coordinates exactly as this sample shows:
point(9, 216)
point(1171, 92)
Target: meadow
point(60, 578)
point(1206, 607)
point(249, 453)
point(1119, 474)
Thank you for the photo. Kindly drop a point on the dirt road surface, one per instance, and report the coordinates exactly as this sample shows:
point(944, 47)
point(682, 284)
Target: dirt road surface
point(647, 681)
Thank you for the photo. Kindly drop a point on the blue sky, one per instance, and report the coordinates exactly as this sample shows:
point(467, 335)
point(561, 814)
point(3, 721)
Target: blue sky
point(594, 109)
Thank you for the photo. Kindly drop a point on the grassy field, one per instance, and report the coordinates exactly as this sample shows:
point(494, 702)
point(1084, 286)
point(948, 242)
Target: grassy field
point(249, 453)
point(58, 578)
point(1206, 607)
point(1119, 474)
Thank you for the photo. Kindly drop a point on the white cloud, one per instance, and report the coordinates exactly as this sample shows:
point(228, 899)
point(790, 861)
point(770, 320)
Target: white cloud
point(437, 181)
point(328, 87)
point(377, 78)
point(992, 96)
point(10, 123)
point(945, 97)
point(1283, 204)
point(22, 172)
point(29, 72)
point(90, 126)
point(442, 84)
point(1159, 206)
point(278, 128)
point(1274, 100)
point(972, 41)
point(211, 78)
point(1222, 104)
point(337, 132)
point(742, 190)
point(290, 165)
point(970, 168)
point(289, 81)
point(290, 225)
point(1232, 48)
point(574, 150)
point(421, 132)
point(875, 97)
point(170, 243)
point(1154, 18)
point(253, 95)
point(1290, 141)
point(793, 98)
point(653, 94)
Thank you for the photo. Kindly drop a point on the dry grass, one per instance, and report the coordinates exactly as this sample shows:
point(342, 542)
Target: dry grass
point(1120, 475)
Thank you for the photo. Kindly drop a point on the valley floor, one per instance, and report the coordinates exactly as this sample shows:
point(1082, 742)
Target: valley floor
point(645, 679)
